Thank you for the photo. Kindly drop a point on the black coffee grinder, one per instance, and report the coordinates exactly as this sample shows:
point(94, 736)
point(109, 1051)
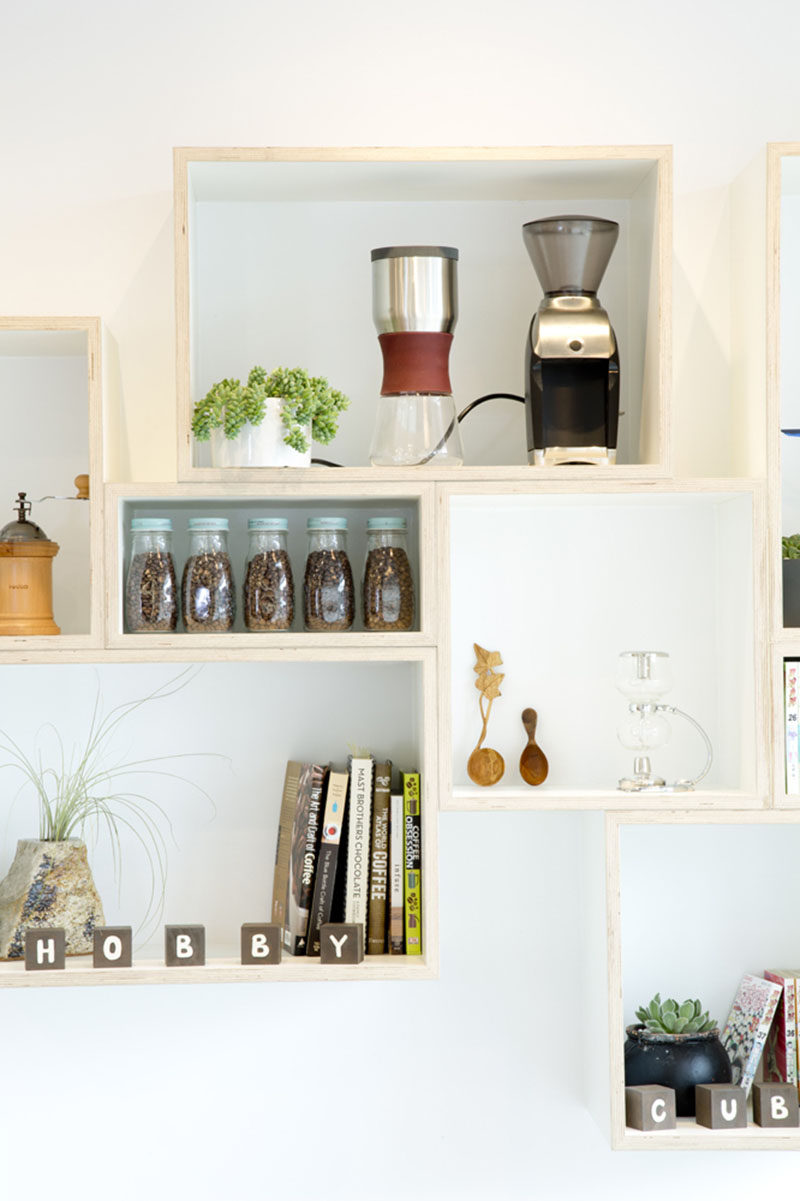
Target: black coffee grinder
point(571, 356)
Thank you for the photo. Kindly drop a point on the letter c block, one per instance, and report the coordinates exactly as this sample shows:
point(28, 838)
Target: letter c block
point(721, 1106)
point(775, 1105)
point(261, 943)
point(650, 1107)
point(341, 942)
point(184, 946)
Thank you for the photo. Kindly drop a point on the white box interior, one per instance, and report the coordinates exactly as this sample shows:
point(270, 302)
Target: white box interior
point(280, 274)
point(582, 579)
point(44, 410)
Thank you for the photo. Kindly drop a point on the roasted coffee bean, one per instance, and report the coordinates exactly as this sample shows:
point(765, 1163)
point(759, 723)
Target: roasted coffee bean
point(151, 593)
point(269, 591)
point(328, 593)
point(388, 592)
point(209, 601)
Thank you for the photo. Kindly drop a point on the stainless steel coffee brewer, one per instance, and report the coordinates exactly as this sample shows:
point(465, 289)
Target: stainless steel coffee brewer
point(571, 356)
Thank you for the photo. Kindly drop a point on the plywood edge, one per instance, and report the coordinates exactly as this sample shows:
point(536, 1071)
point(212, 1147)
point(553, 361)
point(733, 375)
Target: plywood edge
point(183, 155)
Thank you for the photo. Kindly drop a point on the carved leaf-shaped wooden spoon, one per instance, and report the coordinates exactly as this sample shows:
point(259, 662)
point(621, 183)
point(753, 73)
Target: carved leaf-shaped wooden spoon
point(533, 765)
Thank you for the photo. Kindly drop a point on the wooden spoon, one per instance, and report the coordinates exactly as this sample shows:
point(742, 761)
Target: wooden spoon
point(533, 762)
point(485, 766)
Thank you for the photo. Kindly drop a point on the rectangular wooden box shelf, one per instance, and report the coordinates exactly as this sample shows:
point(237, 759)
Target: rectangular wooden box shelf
point(287, 234)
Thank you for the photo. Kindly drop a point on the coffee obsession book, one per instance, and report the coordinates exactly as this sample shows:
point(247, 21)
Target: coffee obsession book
point(303, 856)
point(747, 1026)
point(280, 879)
point(396, 872)
point(780, 1055)
point(412, 863)
point(358, 838)
point(379, 860)
point(328, 859)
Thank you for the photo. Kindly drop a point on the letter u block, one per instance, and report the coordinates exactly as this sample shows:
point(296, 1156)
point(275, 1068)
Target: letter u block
point(775, 1105)
point(650, 1107)
point(721, 1106)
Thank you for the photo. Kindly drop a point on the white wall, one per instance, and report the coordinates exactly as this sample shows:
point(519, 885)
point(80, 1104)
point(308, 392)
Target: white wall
point(209, 1092)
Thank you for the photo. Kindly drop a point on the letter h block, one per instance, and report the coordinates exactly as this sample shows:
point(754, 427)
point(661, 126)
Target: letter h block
point(341, 942)
point(775, 1105)
point(650, 1107)
point(721, 1106)
point(45, 948)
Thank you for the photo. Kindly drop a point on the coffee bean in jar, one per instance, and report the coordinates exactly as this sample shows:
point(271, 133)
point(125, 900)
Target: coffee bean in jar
point(151, 588)
point(388, 590)
point(207, 591)
point(268, 582)
point(329, 601)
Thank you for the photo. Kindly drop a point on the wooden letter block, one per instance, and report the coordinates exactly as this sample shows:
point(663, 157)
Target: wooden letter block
point(721, 1106)
point(650, 1107)
point(261, 943)
point(341, 942)
point(184, 946)
point(45, 949)
point(113, 946)
point(775, 1105)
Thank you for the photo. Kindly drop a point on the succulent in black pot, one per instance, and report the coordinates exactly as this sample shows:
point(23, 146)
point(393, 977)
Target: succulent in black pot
point(677, 1046)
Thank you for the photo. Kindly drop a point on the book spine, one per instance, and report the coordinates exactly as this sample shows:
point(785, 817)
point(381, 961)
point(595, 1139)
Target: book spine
point(379, 861)
point(358, 841)
point(396, 869)
point(283, 845)
point(412, 863)
point(321, 905)
point(759, 1039)
point(303, 859)
point(790, 1012)
point(776, 1051)
point(791, 678)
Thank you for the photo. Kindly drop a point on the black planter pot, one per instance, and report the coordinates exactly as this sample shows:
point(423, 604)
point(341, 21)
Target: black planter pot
point(678, 1061)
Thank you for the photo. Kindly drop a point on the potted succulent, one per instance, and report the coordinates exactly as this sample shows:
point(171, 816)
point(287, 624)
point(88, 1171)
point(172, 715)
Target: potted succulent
point(677, 1046)
point(270, 421)
point(791, 580)
point(50, 882)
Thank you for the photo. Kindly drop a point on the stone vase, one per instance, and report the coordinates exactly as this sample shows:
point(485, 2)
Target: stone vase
point(49, 884)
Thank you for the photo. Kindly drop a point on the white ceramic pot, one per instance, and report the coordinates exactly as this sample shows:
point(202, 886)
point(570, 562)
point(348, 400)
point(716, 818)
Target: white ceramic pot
point(259, 445)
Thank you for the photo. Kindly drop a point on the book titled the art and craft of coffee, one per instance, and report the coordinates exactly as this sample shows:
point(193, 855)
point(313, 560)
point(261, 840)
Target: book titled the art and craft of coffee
point(412, 856)
point(328, 858)
point(379, 860)
point(283, 845)
point(303, 857)
point(358, 838)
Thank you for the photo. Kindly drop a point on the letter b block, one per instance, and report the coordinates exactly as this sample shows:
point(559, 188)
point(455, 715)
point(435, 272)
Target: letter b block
point(650, 1107)
point(184, 946)
point(775, 1105)
point(45, 949)
point(113, 946)
point(341, 942)
point(721, 1106)
point(261, 943)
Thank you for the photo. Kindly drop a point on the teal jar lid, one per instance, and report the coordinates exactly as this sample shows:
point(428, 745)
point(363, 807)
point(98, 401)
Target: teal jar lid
point(207, 523)
point(326, 523)
point(386, 523)
point(267, 523)
point(153, 524)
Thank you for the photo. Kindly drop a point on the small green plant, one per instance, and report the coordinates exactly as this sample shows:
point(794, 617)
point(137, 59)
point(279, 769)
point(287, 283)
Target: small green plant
point(791, 546)
point(671, 1018)
point(229, 404)
point(82, 790)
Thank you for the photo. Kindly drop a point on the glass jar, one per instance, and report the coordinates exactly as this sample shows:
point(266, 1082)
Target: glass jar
point(268, 583)
point(388, 591)
point(207, 591)
point(151, 588)
point(328, 593)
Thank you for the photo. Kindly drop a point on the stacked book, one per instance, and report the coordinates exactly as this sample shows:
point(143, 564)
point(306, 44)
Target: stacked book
point(349, 849)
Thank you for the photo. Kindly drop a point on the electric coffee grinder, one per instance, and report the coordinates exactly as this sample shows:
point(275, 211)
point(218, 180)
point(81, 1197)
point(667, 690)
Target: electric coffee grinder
point(415, 309)
point(571, 355)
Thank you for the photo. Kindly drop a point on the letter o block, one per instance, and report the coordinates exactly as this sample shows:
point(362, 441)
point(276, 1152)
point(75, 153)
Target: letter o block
point(113, 946)
point(650, 1107)
point(721, 1106)
point(261, 943)
point(184, 946)
point(341, 942)
point(775, 1105)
